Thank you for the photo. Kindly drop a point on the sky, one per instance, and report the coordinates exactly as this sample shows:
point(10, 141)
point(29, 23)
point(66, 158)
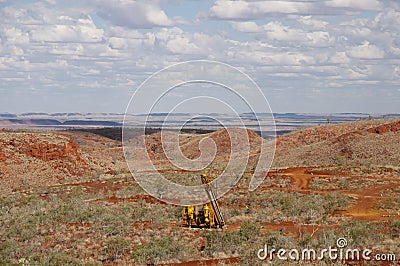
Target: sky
point(307, 56)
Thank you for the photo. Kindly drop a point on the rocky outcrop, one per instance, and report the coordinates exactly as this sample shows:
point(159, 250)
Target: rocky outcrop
point(49, 151)
point(382, 129)
point(2, 156)
point(56, 151)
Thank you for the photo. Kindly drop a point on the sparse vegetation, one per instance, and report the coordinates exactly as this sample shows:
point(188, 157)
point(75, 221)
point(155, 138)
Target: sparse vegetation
point(85, 208)
point(163, 249)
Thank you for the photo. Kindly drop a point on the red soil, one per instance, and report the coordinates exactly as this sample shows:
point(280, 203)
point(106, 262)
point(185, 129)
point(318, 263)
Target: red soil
point(366, 199)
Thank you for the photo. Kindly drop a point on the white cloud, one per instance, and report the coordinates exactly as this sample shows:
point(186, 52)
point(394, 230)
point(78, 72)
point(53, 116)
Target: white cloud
point(395, 51)
point(356, 4)
point(283, 43)
point(381, 30)
point(277, 59)
point(389, 20)
point(134, 14)
point(250, 10)
point(286, 7)
point(231, 9)
point(176, 41)
point(213, 45)
point(339, 58)
point(12, 15)
point(12, 51)
point(16, 36)
point(309, 22)
point(319, 39)
point(276, 31)
point(228, 9)
point(366, 51)
point(395, 4)
point(118, 43)
point(82, 30)
point(181, 20)
point(67, 49)
point(361, 32)
point(246, 26)
point(13, 63)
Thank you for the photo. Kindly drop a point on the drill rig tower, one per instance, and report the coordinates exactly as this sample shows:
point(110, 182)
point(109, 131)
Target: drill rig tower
point(207, 216)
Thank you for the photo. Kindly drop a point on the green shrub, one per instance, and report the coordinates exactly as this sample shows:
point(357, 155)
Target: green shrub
point(394, 228)
point(8, 248)
point(231, 243)
point(115, 247)
point(158, 250)
point(361, 233)
point(62, 259)
point(215, 241)
point(22, 228)
point(249, 231)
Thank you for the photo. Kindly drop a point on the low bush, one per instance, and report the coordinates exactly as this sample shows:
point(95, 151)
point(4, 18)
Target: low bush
point(115, 247)
point(162, 249)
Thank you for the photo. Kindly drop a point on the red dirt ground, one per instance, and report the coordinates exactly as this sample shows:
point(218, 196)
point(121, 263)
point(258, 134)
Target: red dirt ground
point(363, 208)
point(301, 177)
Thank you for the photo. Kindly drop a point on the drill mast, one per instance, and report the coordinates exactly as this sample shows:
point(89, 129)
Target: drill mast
point(210, 215)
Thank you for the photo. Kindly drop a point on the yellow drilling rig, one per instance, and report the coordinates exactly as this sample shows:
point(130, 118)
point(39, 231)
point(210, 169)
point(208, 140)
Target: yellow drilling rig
point(207, 216)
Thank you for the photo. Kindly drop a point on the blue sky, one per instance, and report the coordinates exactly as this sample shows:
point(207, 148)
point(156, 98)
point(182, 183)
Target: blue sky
point(306, 56)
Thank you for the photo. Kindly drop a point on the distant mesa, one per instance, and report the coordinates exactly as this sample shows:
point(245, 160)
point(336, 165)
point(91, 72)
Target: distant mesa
point(259, 122)
point(8, 115)
point(91, 123)
point(35, 121)
point(42, 122)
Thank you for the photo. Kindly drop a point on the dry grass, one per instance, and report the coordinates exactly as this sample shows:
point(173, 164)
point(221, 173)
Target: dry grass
point(51, 216)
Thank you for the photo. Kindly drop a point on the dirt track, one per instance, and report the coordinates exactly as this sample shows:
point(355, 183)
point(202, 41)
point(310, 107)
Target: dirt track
point(364, 207)
point(301, 177)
